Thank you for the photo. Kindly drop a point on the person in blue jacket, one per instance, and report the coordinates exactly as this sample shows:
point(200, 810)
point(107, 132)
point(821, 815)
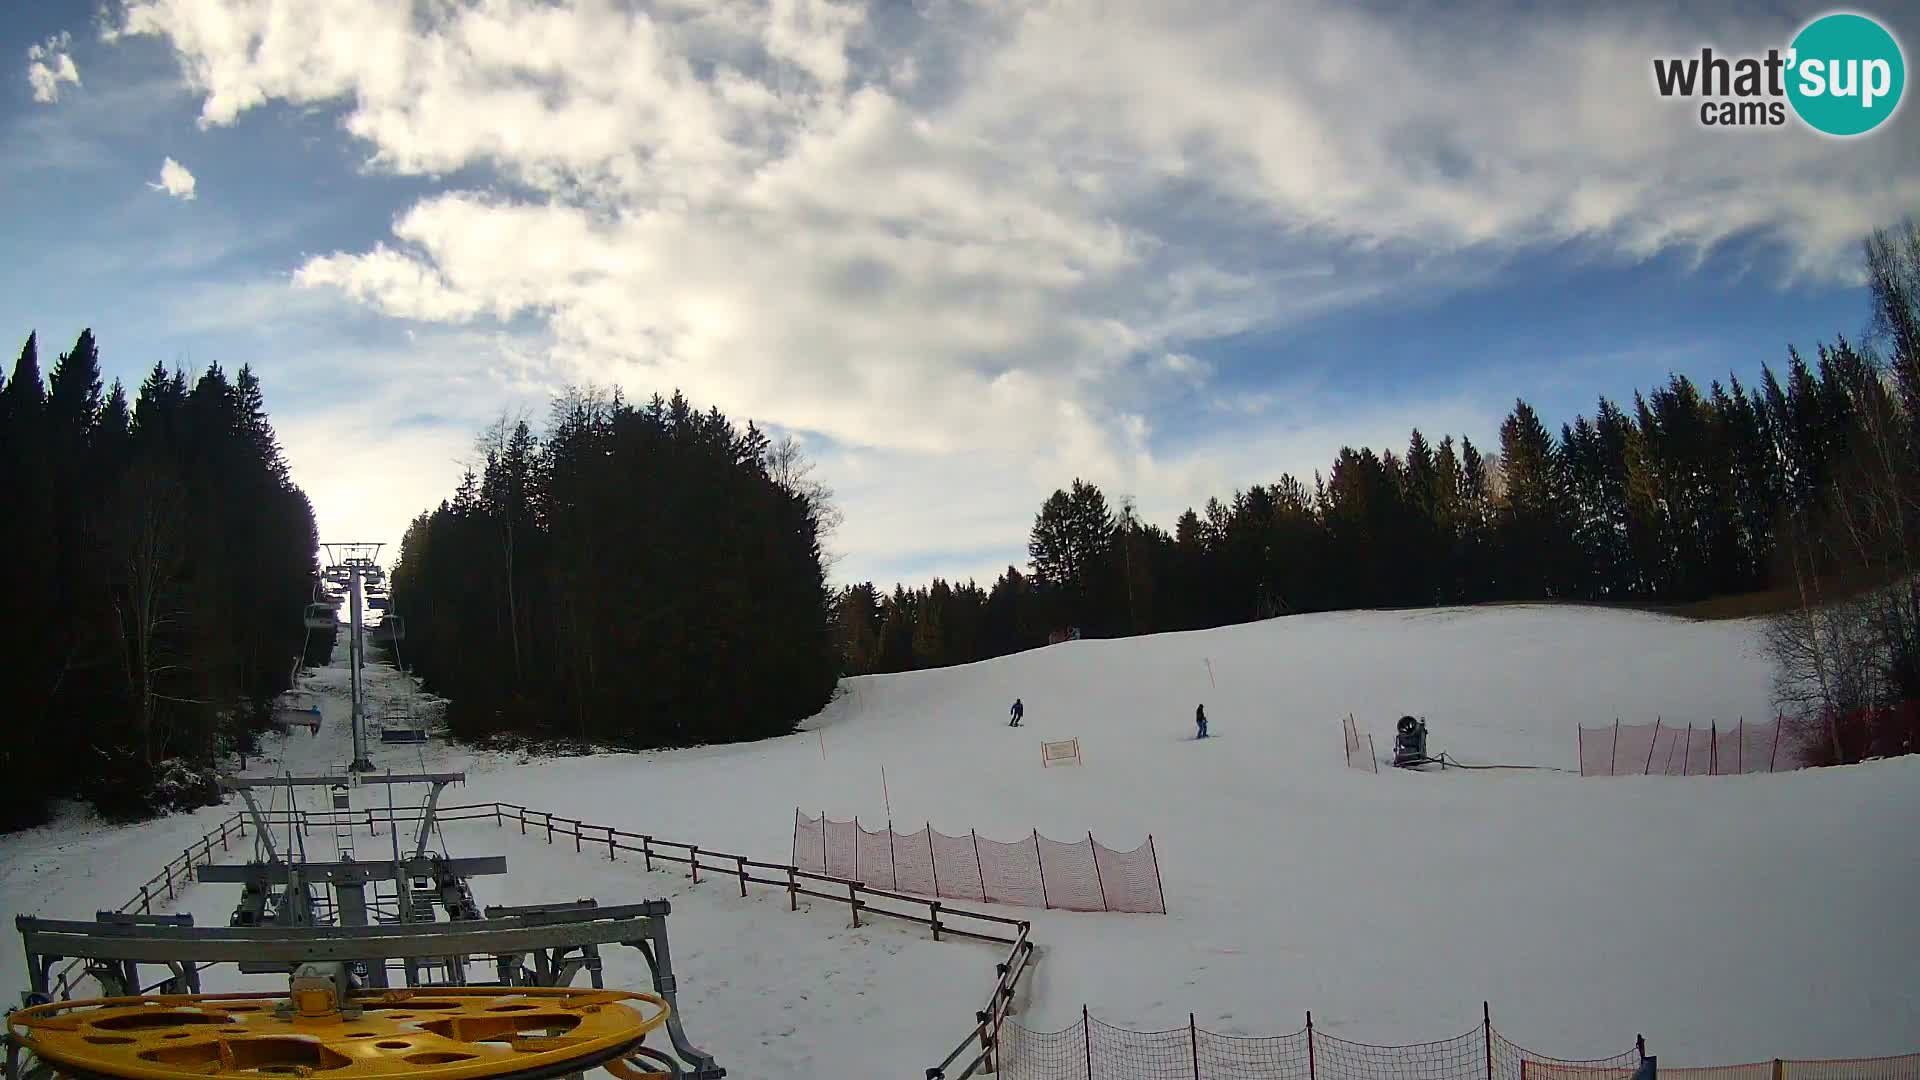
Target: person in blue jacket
point(1200, 718)
point(1018, 711)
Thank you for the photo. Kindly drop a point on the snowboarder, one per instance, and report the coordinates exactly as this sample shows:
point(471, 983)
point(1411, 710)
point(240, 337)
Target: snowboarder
point(1017, 712)
point(1200, 718)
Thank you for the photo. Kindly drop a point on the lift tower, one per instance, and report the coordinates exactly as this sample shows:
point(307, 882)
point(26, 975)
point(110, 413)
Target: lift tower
point(359, 562)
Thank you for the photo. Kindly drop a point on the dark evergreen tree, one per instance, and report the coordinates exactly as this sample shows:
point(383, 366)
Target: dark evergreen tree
point(167, 559)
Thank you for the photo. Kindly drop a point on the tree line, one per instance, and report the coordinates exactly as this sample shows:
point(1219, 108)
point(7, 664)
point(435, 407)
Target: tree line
point(1682, 494)
point(155, 557)
point(638, 576)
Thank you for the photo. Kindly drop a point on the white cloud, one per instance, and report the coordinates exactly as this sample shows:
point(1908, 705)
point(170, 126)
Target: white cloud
point(175, 180)
point(932, 232)
point(48, 65)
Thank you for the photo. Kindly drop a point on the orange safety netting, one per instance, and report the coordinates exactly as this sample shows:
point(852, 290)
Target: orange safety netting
point(1035, 871)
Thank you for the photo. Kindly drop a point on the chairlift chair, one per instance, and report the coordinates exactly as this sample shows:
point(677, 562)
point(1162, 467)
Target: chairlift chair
point(321, 617)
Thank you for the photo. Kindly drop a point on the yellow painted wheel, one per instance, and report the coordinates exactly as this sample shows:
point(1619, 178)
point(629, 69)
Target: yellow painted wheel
point(445, 1033)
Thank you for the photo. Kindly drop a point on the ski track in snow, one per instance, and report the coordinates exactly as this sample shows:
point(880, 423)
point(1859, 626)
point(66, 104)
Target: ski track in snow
point(1730, 919)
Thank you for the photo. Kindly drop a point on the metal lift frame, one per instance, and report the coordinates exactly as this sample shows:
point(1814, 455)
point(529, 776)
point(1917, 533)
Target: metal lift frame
point(547, 932)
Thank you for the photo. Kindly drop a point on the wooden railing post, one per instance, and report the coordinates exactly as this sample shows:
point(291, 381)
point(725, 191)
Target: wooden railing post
point(742, 860)
point(549, 828)
point(933, 909)
point(693, 862)
point(646, 851)
point(576, 837)
point(610, 846)
point(853, 901)
point(793, 890)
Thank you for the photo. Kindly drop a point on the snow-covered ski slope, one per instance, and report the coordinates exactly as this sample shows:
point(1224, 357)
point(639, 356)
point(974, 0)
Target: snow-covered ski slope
point(1730, 919)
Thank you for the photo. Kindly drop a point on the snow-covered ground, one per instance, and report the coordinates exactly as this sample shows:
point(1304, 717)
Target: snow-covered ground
point(1730, 919)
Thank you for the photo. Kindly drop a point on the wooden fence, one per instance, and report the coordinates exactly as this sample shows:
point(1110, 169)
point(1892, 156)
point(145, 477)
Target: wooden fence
point(166, 884)
point(942, 919)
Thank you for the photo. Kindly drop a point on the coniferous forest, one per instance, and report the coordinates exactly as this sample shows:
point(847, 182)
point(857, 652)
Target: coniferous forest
point(1807, 483)
point(642, 576)
point(653, 576)
point(155, 559)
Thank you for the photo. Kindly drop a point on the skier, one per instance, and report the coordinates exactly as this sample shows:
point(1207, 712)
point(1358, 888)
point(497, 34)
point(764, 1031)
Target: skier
point(1200, 718)
point(1017, 712)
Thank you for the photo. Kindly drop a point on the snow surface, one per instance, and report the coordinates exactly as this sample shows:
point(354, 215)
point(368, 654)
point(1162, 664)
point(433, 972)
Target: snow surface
point(1730, 919)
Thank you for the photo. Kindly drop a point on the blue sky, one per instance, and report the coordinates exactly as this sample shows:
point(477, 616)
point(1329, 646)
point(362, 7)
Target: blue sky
point(965, 252)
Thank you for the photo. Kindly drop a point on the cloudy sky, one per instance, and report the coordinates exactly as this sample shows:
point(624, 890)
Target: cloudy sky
point(965, 251)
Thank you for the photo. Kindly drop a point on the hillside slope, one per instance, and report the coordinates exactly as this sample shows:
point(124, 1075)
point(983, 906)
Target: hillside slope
point(1727, 918)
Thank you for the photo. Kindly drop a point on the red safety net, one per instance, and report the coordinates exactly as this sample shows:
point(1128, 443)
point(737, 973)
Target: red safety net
point(1035, 871)
point(1131, 879)
point(913, 862)
point(956, 868)
point(1092, 1050)
point(1668, 749)
point(1012, 872)
point(1902, 1067)
point(873, 852)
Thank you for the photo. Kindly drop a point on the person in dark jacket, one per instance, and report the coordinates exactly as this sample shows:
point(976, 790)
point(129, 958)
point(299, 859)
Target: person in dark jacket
point(1200, 718)
point(1018, 711)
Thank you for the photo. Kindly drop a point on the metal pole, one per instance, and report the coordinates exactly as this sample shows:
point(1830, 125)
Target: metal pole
point(356, 652)
point(1097, 880)
point(1486, 1025)
point(932, 860)
point(1157, 887)
point(1041, 869)
point(1193, 1039)
point(1086, 1030)
point(1656, 741)
point(1613, 756)
point(1311, 1075)
point(978, 868)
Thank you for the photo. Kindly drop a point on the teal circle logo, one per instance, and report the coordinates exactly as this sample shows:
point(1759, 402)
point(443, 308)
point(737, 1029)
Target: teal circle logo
point(1845, 74)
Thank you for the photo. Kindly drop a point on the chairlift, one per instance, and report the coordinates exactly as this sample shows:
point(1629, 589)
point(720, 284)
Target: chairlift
point(321, 617)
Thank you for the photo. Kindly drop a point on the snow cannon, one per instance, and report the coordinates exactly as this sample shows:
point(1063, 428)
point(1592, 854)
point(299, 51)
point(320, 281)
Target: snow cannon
point(1410, 743)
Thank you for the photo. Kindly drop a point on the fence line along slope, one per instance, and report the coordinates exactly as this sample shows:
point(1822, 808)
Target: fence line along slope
point(1729, 918)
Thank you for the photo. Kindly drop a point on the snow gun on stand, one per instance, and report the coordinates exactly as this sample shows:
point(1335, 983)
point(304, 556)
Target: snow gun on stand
point(1410, 745)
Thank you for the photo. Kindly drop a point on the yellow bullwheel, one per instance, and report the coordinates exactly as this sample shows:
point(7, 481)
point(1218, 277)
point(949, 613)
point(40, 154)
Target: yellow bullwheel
point(443, 1033)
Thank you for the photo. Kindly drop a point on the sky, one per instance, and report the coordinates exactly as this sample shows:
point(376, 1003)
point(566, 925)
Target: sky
point(964, 251)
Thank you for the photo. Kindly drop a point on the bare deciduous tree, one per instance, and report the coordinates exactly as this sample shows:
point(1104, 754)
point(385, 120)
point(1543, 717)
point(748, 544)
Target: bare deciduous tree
point(148, 552)
point(1851, 651)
